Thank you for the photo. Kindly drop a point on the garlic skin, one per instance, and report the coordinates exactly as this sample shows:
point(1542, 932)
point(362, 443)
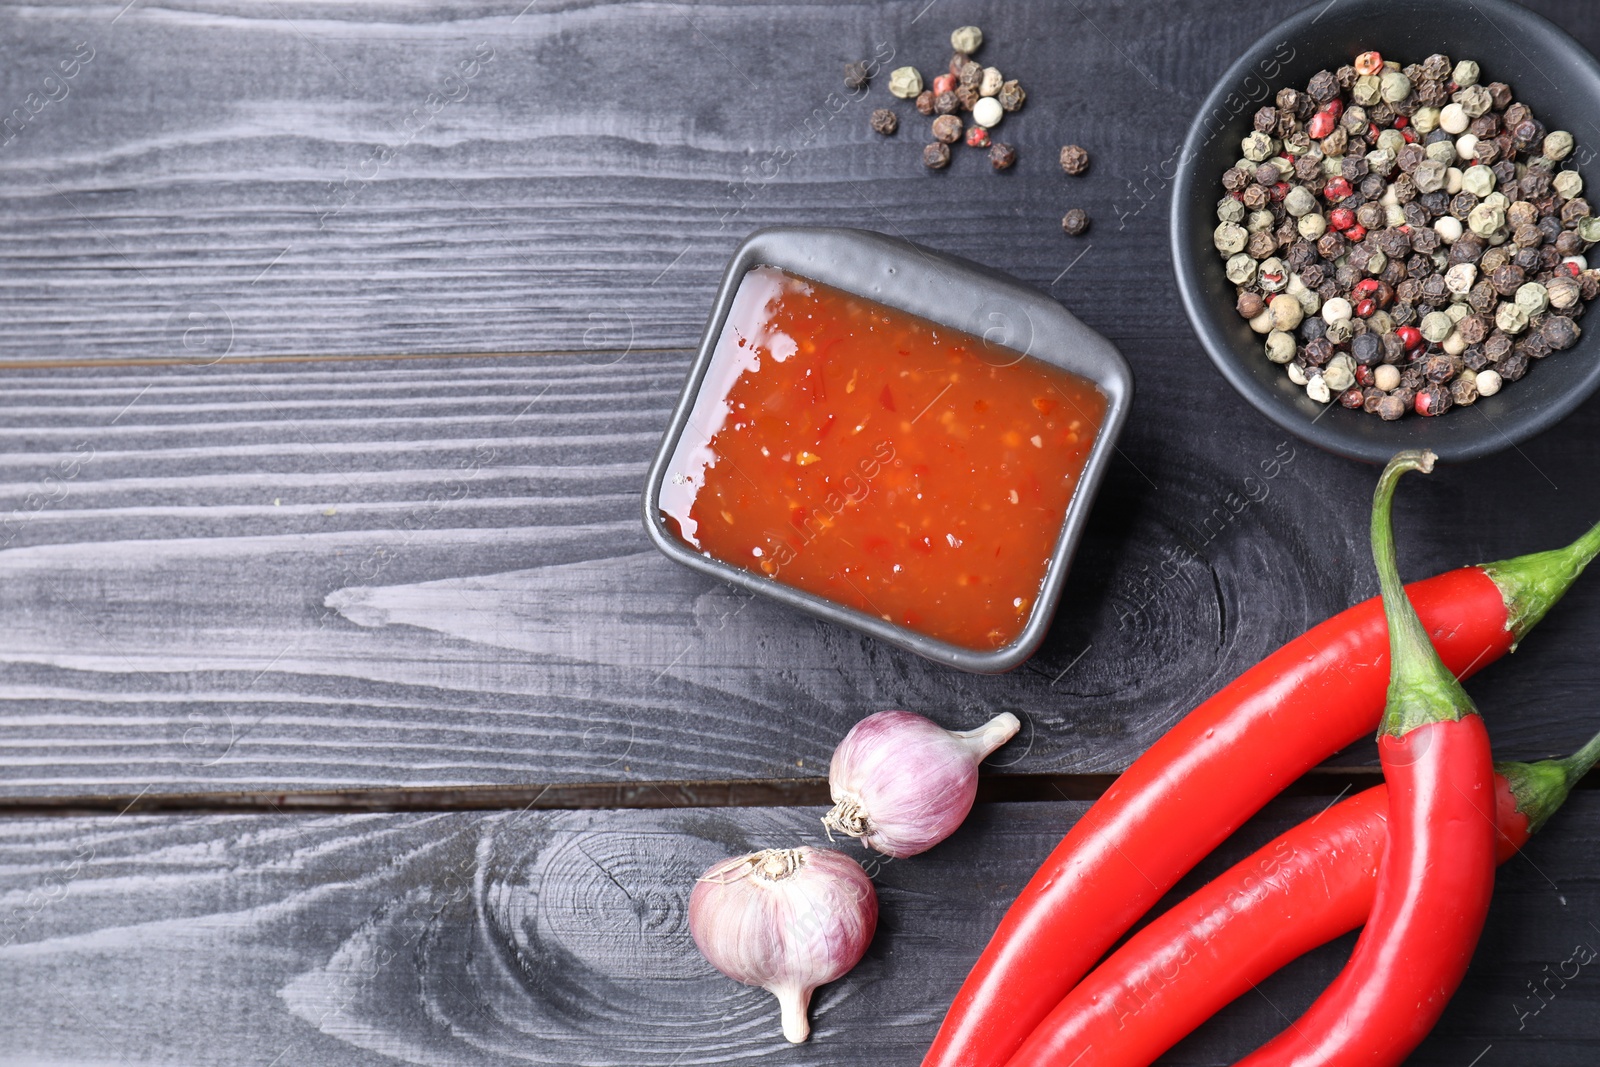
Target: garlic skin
point(786, 920)
point(903, 783)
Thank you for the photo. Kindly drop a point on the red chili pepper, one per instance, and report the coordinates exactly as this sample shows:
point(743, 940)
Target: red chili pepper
point(1304, 888)
point(1213, 770)
point(1437, 873)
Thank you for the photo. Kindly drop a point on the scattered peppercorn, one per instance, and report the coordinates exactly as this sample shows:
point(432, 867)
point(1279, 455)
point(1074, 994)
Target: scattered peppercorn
point(947, 128)
point(936, 156)
point(977, 137)
point(856, 76)
point(967, 39)
point(1404, 236)
point(925, 101)
point(1011, 96)
point(1074, 160)
point(1001, 155)
point(1076, 221)
point(885, 121)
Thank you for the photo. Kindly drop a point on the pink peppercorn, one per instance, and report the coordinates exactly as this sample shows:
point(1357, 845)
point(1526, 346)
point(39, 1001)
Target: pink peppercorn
point(1336, 189)
point(1356, 233)
point(1341, 218)
point(1368, 63)
point(978, 137)
point(944, 83)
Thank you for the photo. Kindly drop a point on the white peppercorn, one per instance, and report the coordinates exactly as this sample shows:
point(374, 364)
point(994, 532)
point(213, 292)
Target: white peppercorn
point(1452, 180)
point(1511, 318)
point(987, 112)
point(967, 39)
point(1280, 346)
point(1454, 344)
point(1467, 145)
point(992, 80)
point(1436, 326)
point(1241, 269)
point(1557, 145)
point(1317, 389)
point(905, 82)
point(1453, 119)
point(1312, 226)
point(1262, 323)
point(1336, 310)
point(1297, 374)
point(1286, 311)
point(1465, 73)
point(1386, 376)
point(1448, 228)
point(1488, 382)
point(1459, 279)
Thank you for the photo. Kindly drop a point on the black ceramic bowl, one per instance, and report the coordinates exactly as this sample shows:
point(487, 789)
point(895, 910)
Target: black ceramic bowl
point(1545, 68)
point(1013, 321)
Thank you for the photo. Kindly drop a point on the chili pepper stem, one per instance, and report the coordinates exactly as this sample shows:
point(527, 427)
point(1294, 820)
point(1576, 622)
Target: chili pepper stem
point(1532, 584)
point(1542, 787)
point(1421, 689)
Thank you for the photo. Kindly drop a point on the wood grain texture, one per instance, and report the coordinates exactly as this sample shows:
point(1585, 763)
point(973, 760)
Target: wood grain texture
point(316, 177)
point(421, 574)
point(432, 573)
point(544, 937)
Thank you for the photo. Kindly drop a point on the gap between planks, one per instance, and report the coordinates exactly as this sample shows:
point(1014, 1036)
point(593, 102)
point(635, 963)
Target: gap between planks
point(732, 793)
point(178, 361)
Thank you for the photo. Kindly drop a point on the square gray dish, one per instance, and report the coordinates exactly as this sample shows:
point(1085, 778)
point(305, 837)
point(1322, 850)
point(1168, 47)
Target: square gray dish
point(1009, 317)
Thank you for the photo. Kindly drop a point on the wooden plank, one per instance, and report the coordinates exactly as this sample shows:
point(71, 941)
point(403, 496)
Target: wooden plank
point(560, 938)
point(314, 177)
point(430, 574)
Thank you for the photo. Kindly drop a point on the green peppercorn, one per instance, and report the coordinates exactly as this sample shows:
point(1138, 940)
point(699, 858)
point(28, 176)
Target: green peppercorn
point(905, 82)
point(1076, 222)
point(1558, 145)
point(967, 39)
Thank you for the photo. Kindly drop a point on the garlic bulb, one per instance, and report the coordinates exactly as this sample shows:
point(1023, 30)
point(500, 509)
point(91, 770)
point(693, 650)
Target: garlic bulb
point(903, 783)
point(787, 920)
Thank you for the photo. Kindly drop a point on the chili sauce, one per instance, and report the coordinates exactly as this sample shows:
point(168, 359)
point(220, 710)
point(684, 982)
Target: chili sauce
point(884, 462)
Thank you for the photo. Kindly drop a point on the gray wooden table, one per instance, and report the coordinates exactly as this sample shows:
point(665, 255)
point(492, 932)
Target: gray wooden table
point(347, 715)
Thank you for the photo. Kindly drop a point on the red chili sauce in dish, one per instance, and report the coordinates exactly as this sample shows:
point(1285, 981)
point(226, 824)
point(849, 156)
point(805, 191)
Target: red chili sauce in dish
point(885, 462)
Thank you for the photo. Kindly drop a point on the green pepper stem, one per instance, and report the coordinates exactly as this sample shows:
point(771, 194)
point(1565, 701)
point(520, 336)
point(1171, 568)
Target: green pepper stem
point(1542, 787)
point(1531, 584)
point(1421, 689)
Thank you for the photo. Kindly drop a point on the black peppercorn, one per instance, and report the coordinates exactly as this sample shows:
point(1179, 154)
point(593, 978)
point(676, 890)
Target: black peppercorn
point(1366, 348)
point(967, 96)
point(1268, 174)
point(884, 121)
point(1497, 347)
point(925, 101)
point(1075, 160)
point(1002, 155)
point(957, 61)
point(1249, 305)
point(1255, 197)
point(1425, 240)
point(1463, 391)
point(1318, 352)
point(1499, 95)
point(1559, 332)
point(1011, 96)
point(856, 76)
point(1474, 358)
point(1346, 76)
point(1512, 366)
point(1371, 397)
point(1528, 236)
point(1574, 210)
point(1473, 328)
point(1508, 279)
point(1391, 408)
point(947, 128)
point(1312, 328)
point(1352, 398)
point(971, 75)
point(1323, 86)
point(936, 156)
point(1488, 152)
point(1266, 119)
point(1075, 222)
point(1393, 348)
point(946, 103)
point(1441, 368)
